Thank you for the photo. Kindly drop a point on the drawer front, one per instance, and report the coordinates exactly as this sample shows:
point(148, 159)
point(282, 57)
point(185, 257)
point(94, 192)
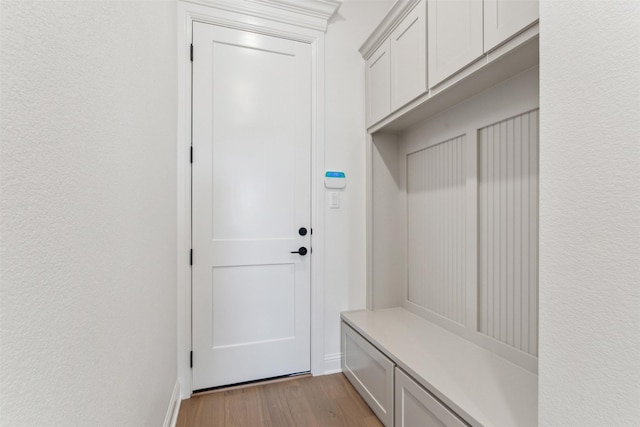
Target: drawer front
point(416, 407)
point(370, 372)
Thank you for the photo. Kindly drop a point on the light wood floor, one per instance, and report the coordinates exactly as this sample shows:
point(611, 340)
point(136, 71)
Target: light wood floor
point(328, 400)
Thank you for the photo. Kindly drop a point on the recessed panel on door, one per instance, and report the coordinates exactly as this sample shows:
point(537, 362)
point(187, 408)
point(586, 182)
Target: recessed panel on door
point(254, 143)
point(265, 291)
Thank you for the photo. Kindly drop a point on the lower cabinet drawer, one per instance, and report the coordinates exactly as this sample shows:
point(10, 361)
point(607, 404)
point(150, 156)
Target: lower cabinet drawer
point(370, 372)
point(416, 407)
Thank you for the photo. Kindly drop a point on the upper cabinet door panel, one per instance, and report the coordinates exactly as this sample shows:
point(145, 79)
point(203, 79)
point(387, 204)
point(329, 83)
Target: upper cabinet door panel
point(378, 70)
point(503, 19)
point(409, 57)
point(455, 36)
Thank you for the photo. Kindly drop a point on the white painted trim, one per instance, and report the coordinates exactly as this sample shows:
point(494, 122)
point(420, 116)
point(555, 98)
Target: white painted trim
point(184, 201)
point(171, 419)
point(317, 207)
point(188, 12)
point(311, 14)
point(322, 9)
point(332, 363)
point(369, 219)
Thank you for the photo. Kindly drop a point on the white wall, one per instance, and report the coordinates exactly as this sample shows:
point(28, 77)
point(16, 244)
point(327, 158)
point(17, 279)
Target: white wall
point(88, 213)
point(589, 363)
point(345, 268)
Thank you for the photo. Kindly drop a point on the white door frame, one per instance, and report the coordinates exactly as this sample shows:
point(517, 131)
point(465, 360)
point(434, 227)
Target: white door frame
point(301, 21)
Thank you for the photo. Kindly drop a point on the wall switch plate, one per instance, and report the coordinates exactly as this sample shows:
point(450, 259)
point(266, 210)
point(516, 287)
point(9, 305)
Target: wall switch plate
point(334, 200)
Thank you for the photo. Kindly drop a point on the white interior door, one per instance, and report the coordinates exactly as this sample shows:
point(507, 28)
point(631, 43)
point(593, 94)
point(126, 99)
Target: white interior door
point(251, 195)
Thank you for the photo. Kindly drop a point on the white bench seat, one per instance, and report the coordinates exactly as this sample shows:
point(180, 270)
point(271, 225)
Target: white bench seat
point(481, 388)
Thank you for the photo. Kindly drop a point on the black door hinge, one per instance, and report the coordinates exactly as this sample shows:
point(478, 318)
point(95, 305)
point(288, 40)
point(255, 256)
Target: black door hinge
point(191, 359)
point(191, 155)
point(191, 52)
point(190, 256)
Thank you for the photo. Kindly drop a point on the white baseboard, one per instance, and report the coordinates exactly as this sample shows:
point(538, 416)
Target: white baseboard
point(332, 363)
point(171, 419)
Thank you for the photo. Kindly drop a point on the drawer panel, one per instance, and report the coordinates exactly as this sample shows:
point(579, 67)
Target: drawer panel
point(370, 372)
point(416, 407)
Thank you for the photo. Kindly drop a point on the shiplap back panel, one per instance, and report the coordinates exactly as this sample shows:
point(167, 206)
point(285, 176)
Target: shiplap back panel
point(436, 220)
point(508, 231)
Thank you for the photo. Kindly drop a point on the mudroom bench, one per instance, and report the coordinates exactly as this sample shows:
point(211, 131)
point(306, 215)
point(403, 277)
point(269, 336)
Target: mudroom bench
point(412, 372)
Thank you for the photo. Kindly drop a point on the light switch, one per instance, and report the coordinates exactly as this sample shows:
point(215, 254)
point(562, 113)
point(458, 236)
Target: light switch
point(334, 202)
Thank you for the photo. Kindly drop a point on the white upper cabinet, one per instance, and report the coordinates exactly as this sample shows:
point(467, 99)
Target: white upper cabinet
point(396, 59)
point(505, 18)
point(409, 57)
point(378, 70)
point(455, 36)
point(422, 49)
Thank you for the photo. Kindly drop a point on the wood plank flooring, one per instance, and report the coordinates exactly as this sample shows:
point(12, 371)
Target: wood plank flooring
point(328, 400)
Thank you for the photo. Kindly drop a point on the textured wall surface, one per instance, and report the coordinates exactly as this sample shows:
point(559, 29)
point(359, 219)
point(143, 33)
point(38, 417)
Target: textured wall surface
point(345, 259)
point(88, 222)
point(589, 354)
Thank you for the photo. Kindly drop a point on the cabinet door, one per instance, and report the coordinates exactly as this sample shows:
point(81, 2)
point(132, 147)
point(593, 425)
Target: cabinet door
point(409, 57)
point(455, 36)
point(416, 407)
point(503, 19)
point(370, 372)
point(378, 70)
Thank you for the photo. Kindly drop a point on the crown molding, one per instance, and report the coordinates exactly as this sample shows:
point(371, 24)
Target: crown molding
point(398, 11)
point(312, 14)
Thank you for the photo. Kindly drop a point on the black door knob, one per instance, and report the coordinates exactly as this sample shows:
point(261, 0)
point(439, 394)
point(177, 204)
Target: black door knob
point(302, 251)
point(302, 231)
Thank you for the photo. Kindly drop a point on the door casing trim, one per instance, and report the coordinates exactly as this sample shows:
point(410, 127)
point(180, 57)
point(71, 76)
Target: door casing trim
point(187, 14)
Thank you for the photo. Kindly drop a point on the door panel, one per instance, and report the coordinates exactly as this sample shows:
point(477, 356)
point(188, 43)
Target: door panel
point(249, 139)
point(251, 193)
point(504, 19)
point(454, 36)
point(378, 76)
point(409, 57)
point(237, 291)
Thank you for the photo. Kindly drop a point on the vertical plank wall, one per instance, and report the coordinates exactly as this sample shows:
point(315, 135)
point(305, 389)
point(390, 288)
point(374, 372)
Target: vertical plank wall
point(436, 218)
point(508, 231)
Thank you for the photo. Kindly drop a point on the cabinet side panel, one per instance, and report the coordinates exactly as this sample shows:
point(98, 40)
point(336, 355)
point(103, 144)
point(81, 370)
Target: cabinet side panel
point(387, 231)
